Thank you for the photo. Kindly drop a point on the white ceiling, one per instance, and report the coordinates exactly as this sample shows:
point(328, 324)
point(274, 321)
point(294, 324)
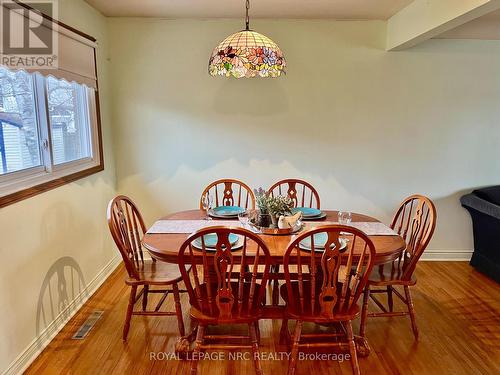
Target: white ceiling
point(336, 9)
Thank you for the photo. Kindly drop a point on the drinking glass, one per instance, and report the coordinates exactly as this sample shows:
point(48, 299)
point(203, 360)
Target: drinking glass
point(244, 217)
point(206, 202)
point(344, 219)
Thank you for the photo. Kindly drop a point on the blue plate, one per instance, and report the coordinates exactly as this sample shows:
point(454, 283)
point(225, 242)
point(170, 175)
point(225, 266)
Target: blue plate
point(227, 210)
point(211, 239)
point(306, 211)
point(319, 242)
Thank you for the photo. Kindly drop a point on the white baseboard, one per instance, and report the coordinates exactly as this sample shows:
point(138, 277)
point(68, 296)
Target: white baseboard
point(21, 363)
point(447, 255)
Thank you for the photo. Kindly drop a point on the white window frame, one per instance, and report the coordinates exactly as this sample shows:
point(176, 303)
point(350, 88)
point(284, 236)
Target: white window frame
point(18, 181)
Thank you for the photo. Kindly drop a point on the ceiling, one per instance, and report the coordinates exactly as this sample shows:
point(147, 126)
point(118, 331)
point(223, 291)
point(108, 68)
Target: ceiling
point(335, 9)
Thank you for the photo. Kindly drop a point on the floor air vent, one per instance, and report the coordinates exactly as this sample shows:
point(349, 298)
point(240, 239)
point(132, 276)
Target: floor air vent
point(87, 326)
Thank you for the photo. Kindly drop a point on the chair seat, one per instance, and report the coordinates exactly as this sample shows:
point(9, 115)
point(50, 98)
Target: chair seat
point(389, 274)
point(305, 313)
point(209, 312)
point(157, 273)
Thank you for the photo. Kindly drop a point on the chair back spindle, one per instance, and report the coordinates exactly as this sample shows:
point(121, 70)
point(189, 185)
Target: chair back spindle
point(127, 229)
point(329, 282)
point(415, 221)
point(302, 193)
point(229, 192)
point(213, 287)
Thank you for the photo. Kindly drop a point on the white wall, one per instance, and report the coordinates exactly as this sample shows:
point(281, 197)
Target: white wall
point(366, 127)
point(67, 222)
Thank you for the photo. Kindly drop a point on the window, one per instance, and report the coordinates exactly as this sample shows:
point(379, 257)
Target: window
point(49, 111)
point(69, 121)
point(48, 130)
point(19, 138)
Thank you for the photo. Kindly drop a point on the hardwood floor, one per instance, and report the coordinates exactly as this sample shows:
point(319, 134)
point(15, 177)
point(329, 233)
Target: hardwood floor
point(458, 314)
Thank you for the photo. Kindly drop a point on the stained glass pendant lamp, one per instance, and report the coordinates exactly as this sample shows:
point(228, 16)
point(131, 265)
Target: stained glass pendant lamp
point(247, 54)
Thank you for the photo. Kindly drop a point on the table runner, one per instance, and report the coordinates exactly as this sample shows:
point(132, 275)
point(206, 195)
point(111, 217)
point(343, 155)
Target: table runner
point(370, 228)
point(189, 226)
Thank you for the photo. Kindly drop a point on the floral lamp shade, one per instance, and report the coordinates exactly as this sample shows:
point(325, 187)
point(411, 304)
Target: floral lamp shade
point(247, 54)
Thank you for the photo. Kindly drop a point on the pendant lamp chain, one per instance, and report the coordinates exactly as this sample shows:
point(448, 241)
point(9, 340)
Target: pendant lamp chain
point(247, 18)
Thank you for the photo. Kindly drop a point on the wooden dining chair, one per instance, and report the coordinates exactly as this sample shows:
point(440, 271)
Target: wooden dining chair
point(229, 192)
point(127, 228)
point(415, 221)
point(323, 287)
point(217, 297)
point(302, 193)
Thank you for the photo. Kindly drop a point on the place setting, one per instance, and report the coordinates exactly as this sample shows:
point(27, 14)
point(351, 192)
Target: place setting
point(209, 242)
point(219, 212)
point(319, 240)
point(309, 213)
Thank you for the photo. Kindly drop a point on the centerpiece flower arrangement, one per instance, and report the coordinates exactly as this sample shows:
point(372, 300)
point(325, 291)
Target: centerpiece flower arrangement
point(272, 208)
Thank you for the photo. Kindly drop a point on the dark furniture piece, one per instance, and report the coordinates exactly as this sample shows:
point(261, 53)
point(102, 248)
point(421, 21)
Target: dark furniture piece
point(484, 208)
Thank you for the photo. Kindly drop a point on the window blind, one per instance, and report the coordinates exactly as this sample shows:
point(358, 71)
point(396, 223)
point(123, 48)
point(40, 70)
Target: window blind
point(75, 52)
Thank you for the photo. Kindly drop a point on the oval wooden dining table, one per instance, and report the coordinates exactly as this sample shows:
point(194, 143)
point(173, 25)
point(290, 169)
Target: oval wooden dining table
point(165, 247)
